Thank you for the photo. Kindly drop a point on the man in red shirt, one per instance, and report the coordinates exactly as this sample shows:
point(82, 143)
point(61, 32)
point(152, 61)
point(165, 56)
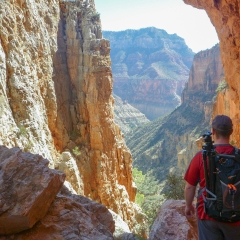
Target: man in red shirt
point(208, 228)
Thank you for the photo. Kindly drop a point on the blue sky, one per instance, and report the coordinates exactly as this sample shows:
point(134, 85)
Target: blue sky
point(174, 16)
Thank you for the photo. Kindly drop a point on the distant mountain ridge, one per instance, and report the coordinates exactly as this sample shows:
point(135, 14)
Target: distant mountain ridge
point(150, 68)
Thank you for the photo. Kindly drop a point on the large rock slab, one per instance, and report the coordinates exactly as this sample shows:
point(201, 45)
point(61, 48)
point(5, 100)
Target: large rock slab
point(27, 189)
point(71, 217)
point(171, 223)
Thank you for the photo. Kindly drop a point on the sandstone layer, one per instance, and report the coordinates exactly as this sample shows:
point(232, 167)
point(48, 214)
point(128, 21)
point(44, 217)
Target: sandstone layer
point(56, 97)
point(150, 68)
point(225, 17)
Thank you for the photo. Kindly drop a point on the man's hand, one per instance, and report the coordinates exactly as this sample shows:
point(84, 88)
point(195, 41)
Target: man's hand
point(190, 211)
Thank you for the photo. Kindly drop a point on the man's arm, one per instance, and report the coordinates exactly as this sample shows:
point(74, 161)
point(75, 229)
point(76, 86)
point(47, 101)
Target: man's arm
point(189, 196)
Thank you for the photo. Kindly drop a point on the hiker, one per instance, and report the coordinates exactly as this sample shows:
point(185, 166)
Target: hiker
point(209, 228)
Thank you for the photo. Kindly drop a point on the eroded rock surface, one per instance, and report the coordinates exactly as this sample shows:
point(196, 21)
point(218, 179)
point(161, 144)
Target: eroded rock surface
point(27, 188)
point(71, 217)
point(172, 224)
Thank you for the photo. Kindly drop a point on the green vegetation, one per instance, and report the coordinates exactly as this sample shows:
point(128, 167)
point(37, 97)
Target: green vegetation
point(147, 197)
point(22, 131)
point(174, 187)
point(95, 16)
point(221, 86)
point(76, 151)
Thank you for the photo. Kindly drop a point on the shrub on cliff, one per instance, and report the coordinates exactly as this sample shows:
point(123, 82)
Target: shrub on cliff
point(147, 197)
point(174, 187)
point(95, 16)
point(222, 86)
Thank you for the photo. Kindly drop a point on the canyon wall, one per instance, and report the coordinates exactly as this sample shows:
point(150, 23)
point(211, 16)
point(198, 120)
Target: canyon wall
point(56, 97)
point(225, 17)
point(205, 76)
point(150, 68)
point(168, 144)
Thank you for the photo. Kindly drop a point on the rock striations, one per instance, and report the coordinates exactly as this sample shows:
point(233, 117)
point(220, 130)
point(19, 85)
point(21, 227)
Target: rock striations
point(205, 74)
point(126, 116)
point(55, 93)
point(150, 68)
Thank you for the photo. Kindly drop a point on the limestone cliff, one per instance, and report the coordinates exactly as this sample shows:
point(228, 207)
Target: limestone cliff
point(56, 97)
point(225, 17)
point(206, 72)
point(168, 144)
point(126, 116)
point(150, 68)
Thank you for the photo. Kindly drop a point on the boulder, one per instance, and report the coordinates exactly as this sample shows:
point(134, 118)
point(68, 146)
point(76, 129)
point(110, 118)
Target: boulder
point(172, 224)
point(27, 189)
point(121, 227)
point(71, 217)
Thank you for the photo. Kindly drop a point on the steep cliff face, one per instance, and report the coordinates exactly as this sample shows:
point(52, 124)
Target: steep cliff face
point(150, 68)
point(126, 116)
point(205, 75)
point(206, 71)
point(169, 143)
point(55, 92)
point(225, 17)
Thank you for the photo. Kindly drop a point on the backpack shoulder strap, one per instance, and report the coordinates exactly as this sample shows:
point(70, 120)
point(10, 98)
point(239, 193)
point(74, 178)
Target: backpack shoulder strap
point(236, 150)
point(237, 154)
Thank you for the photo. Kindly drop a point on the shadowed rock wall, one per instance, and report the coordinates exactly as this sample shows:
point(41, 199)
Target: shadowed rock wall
point(56, 97)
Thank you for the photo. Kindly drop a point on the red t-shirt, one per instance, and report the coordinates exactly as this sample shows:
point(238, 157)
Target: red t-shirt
point(195, 175)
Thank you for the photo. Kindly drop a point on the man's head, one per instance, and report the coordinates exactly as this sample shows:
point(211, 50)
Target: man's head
point(222, 126)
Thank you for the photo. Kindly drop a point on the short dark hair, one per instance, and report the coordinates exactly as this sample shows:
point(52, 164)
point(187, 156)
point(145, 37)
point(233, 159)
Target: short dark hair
point(222, 125)
point(222, 133)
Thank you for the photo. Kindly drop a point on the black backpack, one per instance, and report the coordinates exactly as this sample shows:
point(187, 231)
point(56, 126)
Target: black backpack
point(222, 176)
